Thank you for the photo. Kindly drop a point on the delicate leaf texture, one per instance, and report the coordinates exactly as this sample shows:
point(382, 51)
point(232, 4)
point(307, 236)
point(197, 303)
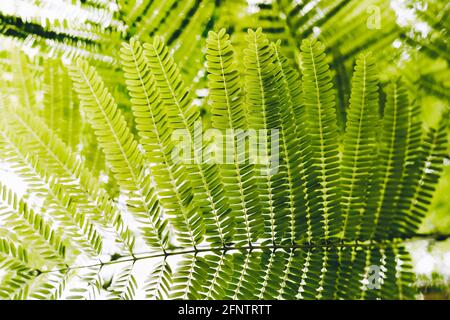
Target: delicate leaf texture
point(228, 115)
point(12, 255)
point(413, 141)
point(24, 86)
point(121, 151)
point(157, 285)
point(359, 144)
point(390, 164)
point(224, 84)
point(322, 172)
point(36, 232)
point(15, 260)
point(124, 284)
point(393, 152)
point(183, 115)
point(52, 156)
point(221, 269)
point(309, 275)
point(314, 215)
point(60, 206)
point(294, 143)
point(90, 284)
point(188, 278)
point(60, 111)
point(421, 178)
point(263, 114)
point(156, 136)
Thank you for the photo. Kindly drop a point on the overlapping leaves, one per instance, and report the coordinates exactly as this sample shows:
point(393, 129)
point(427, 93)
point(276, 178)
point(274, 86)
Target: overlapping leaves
point(333, 212)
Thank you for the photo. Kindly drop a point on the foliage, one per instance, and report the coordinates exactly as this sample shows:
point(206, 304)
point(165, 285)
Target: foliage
point(89, 126)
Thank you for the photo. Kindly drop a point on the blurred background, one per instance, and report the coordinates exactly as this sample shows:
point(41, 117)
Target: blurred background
point(408, 38)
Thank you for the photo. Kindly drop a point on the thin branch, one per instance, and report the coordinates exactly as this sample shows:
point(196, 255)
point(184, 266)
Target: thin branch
point(250, 247)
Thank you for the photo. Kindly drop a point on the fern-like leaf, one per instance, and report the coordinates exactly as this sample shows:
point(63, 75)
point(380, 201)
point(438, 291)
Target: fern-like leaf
point(156, 137)
point(157, 285)
point(183, 114)
point(388, 175)
point(359, 144)
point(322, 172)
point(228, 115)
point(423, 173)
point(263, 111)
point(121, 151)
